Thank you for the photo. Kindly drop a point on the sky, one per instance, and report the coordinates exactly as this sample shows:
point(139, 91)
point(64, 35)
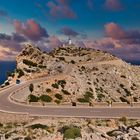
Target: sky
point(109, 25)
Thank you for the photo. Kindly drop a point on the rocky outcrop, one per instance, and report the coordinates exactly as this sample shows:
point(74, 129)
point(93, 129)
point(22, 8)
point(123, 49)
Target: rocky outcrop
point(90, 75)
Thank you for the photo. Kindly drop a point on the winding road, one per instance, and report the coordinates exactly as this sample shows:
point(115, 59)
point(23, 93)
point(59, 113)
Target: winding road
point(60, 111)
point(6, 105)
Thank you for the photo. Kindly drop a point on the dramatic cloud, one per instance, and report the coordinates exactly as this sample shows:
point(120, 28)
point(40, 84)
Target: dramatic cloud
point(127, 36)
point(68, 32)
point(118, 41)
point(61, 9)
point(113, 4)
point(30, 29)
point(115, 31)
point(47, 44)
point(10, 45)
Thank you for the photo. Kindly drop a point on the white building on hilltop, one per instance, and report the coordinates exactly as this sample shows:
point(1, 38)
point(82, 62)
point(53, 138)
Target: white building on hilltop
point(69, 41)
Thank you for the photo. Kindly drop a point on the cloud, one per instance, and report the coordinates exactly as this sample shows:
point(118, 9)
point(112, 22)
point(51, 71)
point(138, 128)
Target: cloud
point(114, 31)
point(47, 44)
point(118, 41)
point(113, 5)
point(30, 29)
point(10, 45)
point(61, 9)
point(68, 32)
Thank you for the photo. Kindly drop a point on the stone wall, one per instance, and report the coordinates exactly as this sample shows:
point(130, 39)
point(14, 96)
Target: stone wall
point(6, 117)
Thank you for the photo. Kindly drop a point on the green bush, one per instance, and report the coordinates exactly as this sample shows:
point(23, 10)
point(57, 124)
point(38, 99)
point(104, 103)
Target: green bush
point(20, 73)
point(29, 63)
point(61, 58)
point(72, 61)
point(45, 98)
point(57, 101)
point(83, 100)
point(55, 86)
point(124, 100)
point(65, 92)
point(100, 96)
point(31, 87)
point(33, 98)
point(72, 133)
point(48, 90)
point(58, 96)
point(123, 119)
point(88, 95)
point(41, 66)
point(61, 82)
point(37, 126)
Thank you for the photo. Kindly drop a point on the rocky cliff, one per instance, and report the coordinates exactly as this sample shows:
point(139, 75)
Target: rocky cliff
point(81, 74)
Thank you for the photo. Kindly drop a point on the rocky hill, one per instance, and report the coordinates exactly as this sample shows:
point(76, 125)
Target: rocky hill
point(80, 75)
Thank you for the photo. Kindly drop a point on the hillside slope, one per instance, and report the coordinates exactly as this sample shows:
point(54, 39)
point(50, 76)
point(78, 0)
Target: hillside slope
point(80, 75)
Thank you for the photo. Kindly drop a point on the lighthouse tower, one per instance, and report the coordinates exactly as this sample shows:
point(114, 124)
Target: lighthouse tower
point(70, 41)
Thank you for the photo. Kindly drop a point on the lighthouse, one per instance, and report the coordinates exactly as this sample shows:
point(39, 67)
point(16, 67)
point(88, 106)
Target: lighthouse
point(69, 41)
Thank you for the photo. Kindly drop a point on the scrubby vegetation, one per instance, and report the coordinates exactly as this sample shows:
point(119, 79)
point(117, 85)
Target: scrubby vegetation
point(33, 98)
point(29, 63)
point(59, 96)
point(71, 132)
point(20, 72)
point(45, 98)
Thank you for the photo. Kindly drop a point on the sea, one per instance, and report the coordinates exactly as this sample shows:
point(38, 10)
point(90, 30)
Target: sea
point(6, 66)
point(10, 66)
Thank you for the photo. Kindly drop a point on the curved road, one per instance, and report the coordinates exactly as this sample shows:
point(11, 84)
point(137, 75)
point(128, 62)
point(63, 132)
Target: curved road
point(88, 112)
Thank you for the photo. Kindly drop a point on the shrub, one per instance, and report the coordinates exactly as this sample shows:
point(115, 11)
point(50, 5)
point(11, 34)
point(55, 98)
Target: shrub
point(37, 126)
point(128, 93)
point(83, 100)
point(58, 96)
point(123, 76)
point(57, 101)
point(100, 96)
point(123, 119)
point(65, 92)
point(72, 133)
point(29, 63)
point(20, 73)
point(41, 66)
point(33, 98)
point(88, 95)
point(45, 98)
point(124, 100)
point(61, 82)
point(121, 85)
point(62, 58)
point(31, 87)
point(55, 86)
point(72, 61)
point(48, 90)
point(7, 83)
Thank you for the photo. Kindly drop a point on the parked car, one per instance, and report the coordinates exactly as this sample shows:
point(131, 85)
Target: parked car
point(17, 81)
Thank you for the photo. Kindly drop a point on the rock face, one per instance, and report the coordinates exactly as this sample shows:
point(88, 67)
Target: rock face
point(88, 75)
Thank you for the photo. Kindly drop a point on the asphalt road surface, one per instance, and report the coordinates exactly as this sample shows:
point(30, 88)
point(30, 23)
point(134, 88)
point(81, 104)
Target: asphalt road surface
point(58, 111)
